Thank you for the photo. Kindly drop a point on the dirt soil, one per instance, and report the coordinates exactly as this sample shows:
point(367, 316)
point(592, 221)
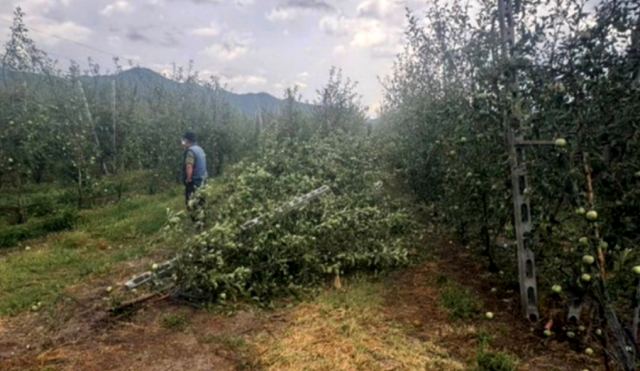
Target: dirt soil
point(413, 301)
point(79, 334)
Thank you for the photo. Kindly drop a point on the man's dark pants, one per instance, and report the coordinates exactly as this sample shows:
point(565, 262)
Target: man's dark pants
point(190, 189)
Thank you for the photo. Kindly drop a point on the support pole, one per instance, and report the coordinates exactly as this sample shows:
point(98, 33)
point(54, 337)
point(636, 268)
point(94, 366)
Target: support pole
point(523, 228)
point(114, 124)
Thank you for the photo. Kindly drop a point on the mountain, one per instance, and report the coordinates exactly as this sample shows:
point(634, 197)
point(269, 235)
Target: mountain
point(146, 82)
point(249, 104)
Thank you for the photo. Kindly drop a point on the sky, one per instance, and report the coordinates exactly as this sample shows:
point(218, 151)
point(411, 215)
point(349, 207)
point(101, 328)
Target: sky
point(250, 45)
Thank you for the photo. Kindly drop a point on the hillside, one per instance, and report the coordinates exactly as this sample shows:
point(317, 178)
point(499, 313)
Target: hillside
point(145, 82)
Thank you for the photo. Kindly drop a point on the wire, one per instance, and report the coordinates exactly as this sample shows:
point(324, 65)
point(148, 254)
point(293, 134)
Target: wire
point(86, 46)
point(77, 43)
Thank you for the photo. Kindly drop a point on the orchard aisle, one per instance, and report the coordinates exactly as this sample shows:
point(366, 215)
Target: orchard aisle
point(402, 321)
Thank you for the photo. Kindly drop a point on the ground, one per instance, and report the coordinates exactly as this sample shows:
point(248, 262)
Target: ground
point(426, 316)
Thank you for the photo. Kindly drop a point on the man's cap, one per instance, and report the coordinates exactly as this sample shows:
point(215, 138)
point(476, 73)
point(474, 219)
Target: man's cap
point(190, 136)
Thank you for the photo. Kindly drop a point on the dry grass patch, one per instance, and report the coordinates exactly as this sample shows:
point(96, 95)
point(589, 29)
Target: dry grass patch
point(347, 330)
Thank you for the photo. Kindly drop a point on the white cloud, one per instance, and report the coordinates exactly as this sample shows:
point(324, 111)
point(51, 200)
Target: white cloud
point(243, 3)
point(119, 6)
point(232, 46)
point(339, 50)
point(57, 32)
point(34, 7)
point(294, 9)
point(376, 8)
point(226, 51)
point(245, 81)
point(334, 24)
point(369, 33)
point(114, 40)
point(387, 50)
point(209, 31)
point(282, 14)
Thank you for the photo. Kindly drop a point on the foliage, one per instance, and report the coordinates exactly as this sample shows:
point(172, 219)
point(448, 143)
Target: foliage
point(61, 220)
point(571, 73)
point(355, 228)
point(338, 108)
point(78, 126)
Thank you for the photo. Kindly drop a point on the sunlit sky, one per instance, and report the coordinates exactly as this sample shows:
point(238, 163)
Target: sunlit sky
point(251, 45)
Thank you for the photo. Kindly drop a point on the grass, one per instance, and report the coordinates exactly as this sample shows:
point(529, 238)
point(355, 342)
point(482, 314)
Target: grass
point(102, 238)
point(236, 343)
point(10, 235)
point(495, 361)
point(346, 330)
point(459, 301)
point(175, 322)
point(488, 360)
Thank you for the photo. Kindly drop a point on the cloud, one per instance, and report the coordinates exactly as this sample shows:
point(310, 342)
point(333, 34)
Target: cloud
point(368, 34)
point(245, 81)
point(363, 32)
point(119, 6)
point(226, 51)
point(339, 50)
point(376, 8)
point(280, 14)
point(334, 24)
point(232, 47)
point(388, 50)
point(212, 30)
point(135, 35)
point(309, 4)
point(215, 2)
point(293, 9)
point(243, 3)
point(59, 32)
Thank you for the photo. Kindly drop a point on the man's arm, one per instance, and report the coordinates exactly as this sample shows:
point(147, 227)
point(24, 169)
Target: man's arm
point(189, 173)
point(188, 166)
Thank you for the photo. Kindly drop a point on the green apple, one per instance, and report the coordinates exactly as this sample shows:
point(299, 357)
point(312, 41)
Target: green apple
point(588, 259)
point(592, 215)
point(599, 332)
point(636, 269)
point(556, 288)
point(489, 315)
point(109, 288)
point(584, 241)
point(581, 211)
point(588, 351)
point(560, 142)
point(571, 334)
point(547, 333)
point(154, 266)
point(586, 277)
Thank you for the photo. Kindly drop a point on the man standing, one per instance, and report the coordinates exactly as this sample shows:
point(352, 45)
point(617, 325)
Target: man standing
point(194, 165)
